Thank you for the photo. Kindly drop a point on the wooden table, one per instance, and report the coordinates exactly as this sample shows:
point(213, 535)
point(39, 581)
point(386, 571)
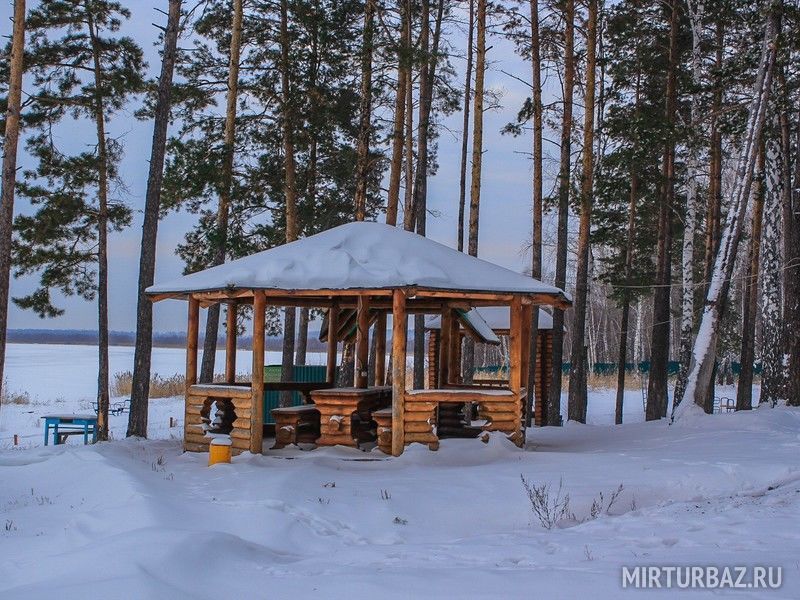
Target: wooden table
point(346, 414)
point(71, 425)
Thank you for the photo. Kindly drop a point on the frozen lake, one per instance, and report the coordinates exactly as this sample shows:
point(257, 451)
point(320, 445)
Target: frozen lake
point(48, 372)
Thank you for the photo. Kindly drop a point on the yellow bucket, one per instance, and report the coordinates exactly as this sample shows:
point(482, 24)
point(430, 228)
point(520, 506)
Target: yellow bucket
point(219, 451)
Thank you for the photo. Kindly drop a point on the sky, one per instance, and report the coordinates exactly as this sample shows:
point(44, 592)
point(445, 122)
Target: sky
point(505, 214)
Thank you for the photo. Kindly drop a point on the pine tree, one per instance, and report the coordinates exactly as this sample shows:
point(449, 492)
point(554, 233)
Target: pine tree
point(10, 142)
point(137, 419)
point(82, 71)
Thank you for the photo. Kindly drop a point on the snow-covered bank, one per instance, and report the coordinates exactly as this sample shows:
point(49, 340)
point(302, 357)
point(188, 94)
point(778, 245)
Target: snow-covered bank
point(140, 519)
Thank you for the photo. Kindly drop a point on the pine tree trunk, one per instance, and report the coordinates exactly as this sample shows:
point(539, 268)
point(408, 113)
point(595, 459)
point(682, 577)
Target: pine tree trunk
point(622, 356)
point(577, 378)
point(538, 198)
point(301, 347)
point(703, 352)
point(365, 110)
point(696, 10)
point(462, 191)
point(290, 193)
point(657, 392)
point(10, 142)
point(102, 237)
point(744, 389)
point(477, 132)
point(223, 209)
point(774, 375)
point(408, 200)
point(140, 389)
point(398, 138)
point(564, 168)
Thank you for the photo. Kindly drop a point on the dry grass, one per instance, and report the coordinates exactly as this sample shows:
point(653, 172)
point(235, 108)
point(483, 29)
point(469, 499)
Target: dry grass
point(8, 397)
point(160, 387)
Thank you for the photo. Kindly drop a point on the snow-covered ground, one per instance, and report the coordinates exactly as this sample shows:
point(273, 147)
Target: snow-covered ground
point(140, 519)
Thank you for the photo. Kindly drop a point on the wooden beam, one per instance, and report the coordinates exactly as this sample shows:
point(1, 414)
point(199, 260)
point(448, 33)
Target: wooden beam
point(399, 332)
point(527, 321)
point(445, 346)
point(380, 349)
point(257, 376)
point(192, 331)
point(230, 343)
point(333, 325)
point(362, 343)
point(454, 355)
point(515, 345)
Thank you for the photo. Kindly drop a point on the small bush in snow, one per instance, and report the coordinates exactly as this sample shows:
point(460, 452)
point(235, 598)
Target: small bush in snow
point(400, 521)
point(385, 495)
point(548, 508)
point(600, 506)
point(7, 397)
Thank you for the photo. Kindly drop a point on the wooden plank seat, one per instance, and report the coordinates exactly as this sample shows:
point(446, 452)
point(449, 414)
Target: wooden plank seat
point(346, 414)
point(295, 424)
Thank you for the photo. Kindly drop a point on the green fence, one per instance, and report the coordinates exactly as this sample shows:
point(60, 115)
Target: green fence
point(303, 373)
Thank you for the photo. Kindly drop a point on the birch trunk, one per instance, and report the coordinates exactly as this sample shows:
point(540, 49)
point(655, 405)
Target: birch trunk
point(140, 389)
point(701, 372)
point(774, 376)
point(10, 142)
point(696, 11)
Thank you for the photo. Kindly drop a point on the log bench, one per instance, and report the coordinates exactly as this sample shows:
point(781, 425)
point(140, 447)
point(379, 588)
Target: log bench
point(295, 424)
point(346, 414)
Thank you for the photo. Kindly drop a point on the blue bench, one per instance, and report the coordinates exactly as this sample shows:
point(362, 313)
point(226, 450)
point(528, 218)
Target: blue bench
point(66, 425)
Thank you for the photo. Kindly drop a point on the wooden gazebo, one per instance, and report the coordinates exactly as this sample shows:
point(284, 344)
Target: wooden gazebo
point(375, 270)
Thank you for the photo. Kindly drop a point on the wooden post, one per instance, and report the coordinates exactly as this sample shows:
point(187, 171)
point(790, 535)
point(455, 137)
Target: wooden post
point(454, 355)
point(362, 343)
point(515, 345)
point(333, 326)
point(399, 327)
point(230, 344)
point(446, 330)
point(527, 317)
point(257, 376)
point(191, 342)
point(380, 349)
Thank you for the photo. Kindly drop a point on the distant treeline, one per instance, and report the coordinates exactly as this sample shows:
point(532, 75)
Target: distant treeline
point(169, 339)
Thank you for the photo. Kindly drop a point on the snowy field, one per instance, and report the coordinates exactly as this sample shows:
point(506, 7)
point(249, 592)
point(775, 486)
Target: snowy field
point(140, 519)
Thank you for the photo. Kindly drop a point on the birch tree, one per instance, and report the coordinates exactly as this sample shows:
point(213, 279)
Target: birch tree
point(701, 372)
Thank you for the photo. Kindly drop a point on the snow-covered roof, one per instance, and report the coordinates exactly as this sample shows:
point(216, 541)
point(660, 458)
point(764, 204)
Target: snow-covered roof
point(360, 255)
point(496, 317)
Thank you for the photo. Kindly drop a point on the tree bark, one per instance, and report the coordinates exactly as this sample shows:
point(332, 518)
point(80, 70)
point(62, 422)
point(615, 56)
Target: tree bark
point(744, 389)
point(290, 193)
point(223, 209)
point(477, 131)
point(140, 389)
point(365, 110)
point(301, 346)
point(696, 11)
point(792, 275)
point(10, 143)
point(657, 391)
point(703, 352)
point(577, 377)
point(462, 192)
point(554, 398)
point(102, 235)
point(398, 138)
point(538, 200)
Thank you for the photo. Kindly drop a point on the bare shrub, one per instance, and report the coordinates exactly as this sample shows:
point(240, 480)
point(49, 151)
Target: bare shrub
point(9, 397)
point(600, 506)
point(548, 508)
